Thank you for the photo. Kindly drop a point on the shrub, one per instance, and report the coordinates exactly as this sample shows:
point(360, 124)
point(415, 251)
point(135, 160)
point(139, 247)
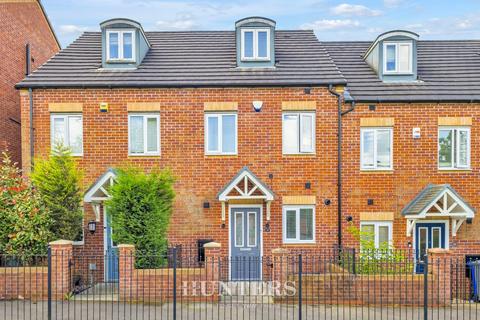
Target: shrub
point(25, 221)
point(382, 260)
point(57, 179)
point(140, 208)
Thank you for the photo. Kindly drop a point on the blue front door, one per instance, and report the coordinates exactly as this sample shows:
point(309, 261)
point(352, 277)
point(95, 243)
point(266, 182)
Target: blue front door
point(111, 252)
point(245, 260)
point(428, 236)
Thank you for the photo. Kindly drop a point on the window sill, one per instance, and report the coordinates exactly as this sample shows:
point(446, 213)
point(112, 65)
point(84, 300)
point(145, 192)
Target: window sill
point(286, 155)
point(220, 155)
point(382, 171)
point(119, 61)
point(298, 244)
point(143, 155)
point(454, 170)
point(78, 243)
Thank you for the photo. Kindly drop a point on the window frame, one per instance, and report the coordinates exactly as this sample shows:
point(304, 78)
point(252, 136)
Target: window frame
point(297, 239)
point(120, 33)
point(455, 147)
point(376, 227)
point(145, 133)
point(65, 116)
point(254, 245)
point(219, 116)
point(299, 119)
point(241, 214)
point(397, 55)
point(375, 148)
point(255, 44)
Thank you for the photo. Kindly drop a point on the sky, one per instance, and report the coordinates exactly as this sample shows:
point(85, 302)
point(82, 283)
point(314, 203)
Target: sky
point(331, 20)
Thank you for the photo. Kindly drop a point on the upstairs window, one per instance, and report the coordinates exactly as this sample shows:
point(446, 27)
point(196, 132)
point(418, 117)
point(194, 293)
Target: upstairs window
point(120, 45)
point(376, 148)
point(255, 44)
point(397, 57)
point(298, 133)
point(67, 130)
point(220, 133)
point(454, 148)
point(144, 134)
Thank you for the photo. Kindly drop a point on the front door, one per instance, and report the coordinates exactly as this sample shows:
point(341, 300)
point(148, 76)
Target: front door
point(245, 243)
point(111, 252)
point(428, 235)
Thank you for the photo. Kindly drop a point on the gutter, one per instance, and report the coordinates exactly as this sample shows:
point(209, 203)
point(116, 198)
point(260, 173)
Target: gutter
point(345, 97)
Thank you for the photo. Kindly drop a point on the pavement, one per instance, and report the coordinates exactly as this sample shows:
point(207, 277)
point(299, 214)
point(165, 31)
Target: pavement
point(112, 310)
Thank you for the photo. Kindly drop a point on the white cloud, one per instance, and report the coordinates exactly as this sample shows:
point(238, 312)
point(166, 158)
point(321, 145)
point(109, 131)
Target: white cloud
point(71, 29)
point(325, 24)
point(392, 3)
point(346, 9)
point(181, 22)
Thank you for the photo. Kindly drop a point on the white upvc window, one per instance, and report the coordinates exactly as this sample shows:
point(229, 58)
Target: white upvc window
point(220, 133)
point(380, 233)
point(121, 45)
point(255, 44)
point(397, 57)
point(454, 147)
point(376, 145)
point(67, 130)
point(143, 134)
point(298, 132)
point(298, 224)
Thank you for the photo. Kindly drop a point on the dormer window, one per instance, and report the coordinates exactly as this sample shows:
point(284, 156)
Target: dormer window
point(397, 57)
point(121, 45)
point(255, 44)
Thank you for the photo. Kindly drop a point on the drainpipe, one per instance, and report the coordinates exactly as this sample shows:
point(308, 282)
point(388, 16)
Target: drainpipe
point(347, 98)
point(30, 97)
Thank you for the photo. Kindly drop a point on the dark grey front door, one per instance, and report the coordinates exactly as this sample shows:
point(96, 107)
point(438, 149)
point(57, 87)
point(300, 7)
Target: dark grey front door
point(245, 243)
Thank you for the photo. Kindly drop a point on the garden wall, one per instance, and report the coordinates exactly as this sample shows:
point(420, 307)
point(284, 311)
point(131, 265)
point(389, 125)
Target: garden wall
point(19, 283)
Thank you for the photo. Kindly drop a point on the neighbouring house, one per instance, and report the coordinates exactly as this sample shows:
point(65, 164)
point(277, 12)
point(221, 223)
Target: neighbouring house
point(28, 40)
point(248, 121)
point(410, 153)
point(244, 118)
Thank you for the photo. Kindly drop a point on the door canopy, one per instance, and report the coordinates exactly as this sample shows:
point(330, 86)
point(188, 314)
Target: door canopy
point(98, 192)
point(438, 201)
point(245, 186)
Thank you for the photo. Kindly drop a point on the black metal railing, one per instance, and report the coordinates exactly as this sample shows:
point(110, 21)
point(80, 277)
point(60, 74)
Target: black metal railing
point(299, 284)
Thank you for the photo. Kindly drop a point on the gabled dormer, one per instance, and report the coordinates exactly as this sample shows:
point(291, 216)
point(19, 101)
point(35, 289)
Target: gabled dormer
point(124, 43)
point(393, 56)
point(255, 40)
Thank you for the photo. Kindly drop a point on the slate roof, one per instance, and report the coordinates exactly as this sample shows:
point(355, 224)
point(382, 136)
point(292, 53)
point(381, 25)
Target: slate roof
point(193, 58)
point(447, 70)
point(427, 196)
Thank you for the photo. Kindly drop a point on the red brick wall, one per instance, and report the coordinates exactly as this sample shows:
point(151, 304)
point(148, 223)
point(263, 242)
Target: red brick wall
point(414, 167)
point(200, 177)
point(22, 22)
point(28, 283)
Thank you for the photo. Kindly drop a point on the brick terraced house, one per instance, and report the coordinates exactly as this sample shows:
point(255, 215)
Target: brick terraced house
point(411, 147)
point(28, 40)
point(249, 122)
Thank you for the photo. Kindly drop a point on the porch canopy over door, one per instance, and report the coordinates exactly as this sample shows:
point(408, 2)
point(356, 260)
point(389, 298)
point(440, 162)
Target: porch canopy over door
point(440, 202)
point(245, 187)
point(98, 191)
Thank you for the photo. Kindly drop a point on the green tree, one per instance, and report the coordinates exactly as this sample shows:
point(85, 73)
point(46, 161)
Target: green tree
point(25, 221)
point(140, 208)
point(57, 179)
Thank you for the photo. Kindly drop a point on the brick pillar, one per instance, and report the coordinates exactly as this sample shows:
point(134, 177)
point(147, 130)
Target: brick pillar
point(214, 266)
point(126, 267)
point(440, 269)
point(61, 255)
point(280, 271)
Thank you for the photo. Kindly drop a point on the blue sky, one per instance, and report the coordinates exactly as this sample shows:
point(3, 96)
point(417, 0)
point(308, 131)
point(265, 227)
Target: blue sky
point(331, 20)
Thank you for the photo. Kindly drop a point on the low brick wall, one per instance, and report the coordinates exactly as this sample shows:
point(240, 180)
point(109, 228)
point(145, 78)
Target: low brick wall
point(29, 283)
point(157, 285)
point(336, 288)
